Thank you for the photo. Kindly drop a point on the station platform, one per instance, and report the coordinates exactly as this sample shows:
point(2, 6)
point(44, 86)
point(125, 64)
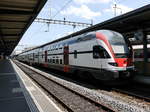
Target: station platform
point(11, 96)
point(18, 93)
point(143, 79)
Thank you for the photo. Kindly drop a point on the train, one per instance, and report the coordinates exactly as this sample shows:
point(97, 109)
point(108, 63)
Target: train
point(138, 59)
point(103, 54)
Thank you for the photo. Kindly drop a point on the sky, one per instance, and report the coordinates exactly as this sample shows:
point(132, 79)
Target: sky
point(77, 11)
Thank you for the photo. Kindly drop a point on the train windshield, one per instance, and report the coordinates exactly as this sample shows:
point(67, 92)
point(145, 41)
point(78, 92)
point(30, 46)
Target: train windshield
point(118, 44)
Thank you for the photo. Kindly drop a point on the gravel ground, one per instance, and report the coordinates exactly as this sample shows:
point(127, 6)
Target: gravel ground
point(130, 99)
point(109, 99)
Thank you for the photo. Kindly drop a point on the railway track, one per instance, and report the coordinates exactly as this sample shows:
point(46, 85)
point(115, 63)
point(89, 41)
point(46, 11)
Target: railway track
point(72, 100)
point(134, 92)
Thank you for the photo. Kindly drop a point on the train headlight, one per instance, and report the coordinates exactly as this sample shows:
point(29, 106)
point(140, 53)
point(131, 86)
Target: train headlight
point(125, 65)
point(113, 63)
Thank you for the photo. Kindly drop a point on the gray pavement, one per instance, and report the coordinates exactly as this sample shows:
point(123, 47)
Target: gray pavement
point(11, 96)
point(32, 92)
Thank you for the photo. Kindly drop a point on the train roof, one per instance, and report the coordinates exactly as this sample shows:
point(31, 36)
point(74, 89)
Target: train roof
point(61, 39)
point(74, 38)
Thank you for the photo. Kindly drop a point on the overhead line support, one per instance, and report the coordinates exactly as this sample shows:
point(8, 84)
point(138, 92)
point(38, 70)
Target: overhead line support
point(63, 22)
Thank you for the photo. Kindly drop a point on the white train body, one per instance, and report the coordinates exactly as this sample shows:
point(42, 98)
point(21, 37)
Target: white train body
point(104, 54)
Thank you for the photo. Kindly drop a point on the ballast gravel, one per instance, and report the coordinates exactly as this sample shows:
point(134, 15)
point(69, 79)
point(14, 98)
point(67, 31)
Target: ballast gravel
point(105, 98)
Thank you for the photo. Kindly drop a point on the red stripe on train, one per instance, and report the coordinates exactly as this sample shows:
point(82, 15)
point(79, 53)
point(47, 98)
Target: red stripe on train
point(124, 62)
point(66, 68)
point(104, 39)
point(45, 65)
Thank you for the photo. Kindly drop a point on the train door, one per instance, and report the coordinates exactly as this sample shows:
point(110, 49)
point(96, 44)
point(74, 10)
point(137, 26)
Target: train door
point(66, 58)
point(66, 55)
point(45, 56)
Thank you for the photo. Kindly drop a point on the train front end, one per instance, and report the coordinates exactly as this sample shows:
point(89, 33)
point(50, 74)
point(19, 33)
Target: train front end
point(119, 65)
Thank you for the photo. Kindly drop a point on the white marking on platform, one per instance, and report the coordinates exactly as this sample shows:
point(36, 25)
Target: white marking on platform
point(31, 88)
point(16, 90)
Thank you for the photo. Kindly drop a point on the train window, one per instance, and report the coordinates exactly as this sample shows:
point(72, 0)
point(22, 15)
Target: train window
point(106, 55)
point(96, 51)
point(75, 53)
point(53, 60)
point(100, 52)
point(36, 56)
point(85, 37)
point(60, 61)
point(57, 61)
point(50, 60)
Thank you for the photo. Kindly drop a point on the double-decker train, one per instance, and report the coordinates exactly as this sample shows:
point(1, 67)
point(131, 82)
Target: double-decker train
point(102, 54)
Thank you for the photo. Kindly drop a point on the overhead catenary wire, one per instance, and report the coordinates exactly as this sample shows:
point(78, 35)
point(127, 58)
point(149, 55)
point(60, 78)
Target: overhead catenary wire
point(120, 1)
point(37, 31)
point(64, 6)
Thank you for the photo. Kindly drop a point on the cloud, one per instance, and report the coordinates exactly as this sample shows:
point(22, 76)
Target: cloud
point(125, 8)
point(46, 12)
point(120, 9)
point(91, 1)
point(82, 11)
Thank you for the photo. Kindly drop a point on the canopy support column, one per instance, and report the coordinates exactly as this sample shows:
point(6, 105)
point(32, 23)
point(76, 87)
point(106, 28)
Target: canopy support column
point(145, 52)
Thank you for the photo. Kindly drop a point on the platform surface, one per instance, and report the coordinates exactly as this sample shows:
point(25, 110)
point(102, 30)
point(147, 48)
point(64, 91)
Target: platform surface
point(11, 96)
point(35, 96)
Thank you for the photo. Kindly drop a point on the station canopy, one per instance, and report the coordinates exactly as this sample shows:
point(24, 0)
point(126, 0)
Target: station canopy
point(127, 24)
point(15, 18)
